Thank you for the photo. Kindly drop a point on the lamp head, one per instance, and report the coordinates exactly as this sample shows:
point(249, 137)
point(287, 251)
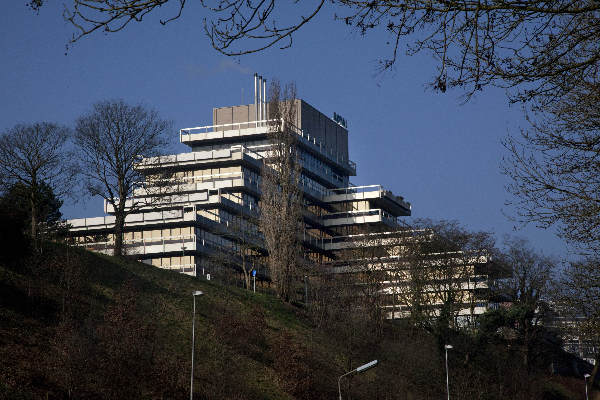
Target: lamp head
point(197, 293)
point(586, 376)
point(367, 366)
point(448, 347)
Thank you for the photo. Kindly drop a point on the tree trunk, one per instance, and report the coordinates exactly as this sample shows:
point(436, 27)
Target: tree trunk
point(32, 201)
point(118, 232)
point(33, 214)
point(245, 270)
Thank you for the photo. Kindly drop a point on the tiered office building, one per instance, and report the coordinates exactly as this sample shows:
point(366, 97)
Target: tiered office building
point(213, 215)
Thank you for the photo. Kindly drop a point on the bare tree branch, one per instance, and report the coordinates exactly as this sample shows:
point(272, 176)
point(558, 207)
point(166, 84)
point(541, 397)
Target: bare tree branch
point(37, 154)
point(115, 140)
point(281, 197)
point(508, 43)
point(555, 166)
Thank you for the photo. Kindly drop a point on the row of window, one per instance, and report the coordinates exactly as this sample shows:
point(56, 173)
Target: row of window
point(313, 186)
point(321, 168)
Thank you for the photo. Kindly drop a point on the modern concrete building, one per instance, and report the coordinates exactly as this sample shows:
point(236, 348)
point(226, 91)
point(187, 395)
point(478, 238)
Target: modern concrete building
point(213, 213)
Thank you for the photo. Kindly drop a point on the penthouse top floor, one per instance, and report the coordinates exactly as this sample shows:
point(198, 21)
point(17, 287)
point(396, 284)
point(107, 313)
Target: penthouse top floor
point(246, 124)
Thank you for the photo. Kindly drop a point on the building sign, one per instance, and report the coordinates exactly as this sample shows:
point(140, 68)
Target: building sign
point(340, 120)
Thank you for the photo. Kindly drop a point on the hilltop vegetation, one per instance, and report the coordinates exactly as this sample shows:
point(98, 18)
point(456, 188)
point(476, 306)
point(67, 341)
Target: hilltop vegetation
point(74, 324)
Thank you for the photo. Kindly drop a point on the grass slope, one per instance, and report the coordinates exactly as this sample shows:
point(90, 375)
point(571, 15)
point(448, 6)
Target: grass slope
point(247, 345)
point(74, 324)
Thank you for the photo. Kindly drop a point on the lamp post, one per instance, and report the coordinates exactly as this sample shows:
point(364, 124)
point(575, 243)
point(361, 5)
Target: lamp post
point(447, 347)
point(194, 294)
point(183, 258)
point(362, 368)
point(306, 289)
point(585, 378)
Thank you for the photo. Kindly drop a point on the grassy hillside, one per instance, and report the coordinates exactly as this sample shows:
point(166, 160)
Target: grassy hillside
point(87, 325)
point(74, 324)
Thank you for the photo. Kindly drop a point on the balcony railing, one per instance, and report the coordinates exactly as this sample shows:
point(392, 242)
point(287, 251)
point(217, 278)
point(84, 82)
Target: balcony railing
point(213, 178)
point(188, 269)
point(108, 222)
point(239, 126)
point(357, 191)
point(312, 240)
point(191, 189)
point(307, 139)
point(196, 156)
point(145, 246)
point(361, 213)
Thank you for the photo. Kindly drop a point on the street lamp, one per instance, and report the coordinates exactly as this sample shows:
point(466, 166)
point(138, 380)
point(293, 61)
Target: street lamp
point(447, 347)
point(194, 294)
point(585, 378)
point(362, 368)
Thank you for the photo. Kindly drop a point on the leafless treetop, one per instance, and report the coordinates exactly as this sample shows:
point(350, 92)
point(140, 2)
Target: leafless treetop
point(534, 45)
point(38, 152)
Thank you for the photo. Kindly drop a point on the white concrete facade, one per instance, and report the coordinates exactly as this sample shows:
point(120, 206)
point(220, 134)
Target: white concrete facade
point(213, 204)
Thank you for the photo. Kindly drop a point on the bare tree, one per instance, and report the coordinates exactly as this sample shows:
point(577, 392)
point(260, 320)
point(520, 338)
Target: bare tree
point(112, 140)
point(388, 276)
point(531, 274)
point(445, 266)
point(528, 289)
point(369, 262)
point(36, 156)
point(554, 166)
point(409, 274)
point(243, 240)
point(432, 273)
point(578, 299)
point(281, 197)
point(248, 239)
point(476, 43)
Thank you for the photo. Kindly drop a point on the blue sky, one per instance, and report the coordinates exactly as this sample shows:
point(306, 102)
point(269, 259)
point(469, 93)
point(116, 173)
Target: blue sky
point(439, 154)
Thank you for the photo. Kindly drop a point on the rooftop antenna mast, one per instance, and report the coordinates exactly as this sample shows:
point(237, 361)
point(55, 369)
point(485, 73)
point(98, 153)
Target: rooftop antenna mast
point(260, 100)
point(264, 111)
point(255, 98)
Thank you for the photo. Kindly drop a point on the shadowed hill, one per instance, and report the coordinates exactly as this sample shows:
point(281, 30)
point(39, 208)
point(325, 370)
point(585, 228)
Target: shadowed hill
point(74, 324)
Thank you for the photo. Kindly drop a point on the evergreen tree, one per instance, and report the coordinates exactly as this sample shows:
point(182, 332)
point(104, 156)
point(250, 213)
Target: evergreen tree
point(15, 203)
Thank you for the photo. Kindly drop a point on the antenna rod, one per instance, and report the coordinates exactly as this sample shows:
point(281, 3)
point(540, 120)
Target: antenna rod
point(265, 99)
point(255, 102)
point(260, 80)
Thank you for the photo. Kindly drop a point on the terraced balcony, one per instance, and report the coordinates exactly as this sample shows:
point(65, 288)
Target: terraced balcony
point(256, 129)
point(359, 217)
point(235, 155)
point(188, 269)
point(149, 246)
point(375, 194)
point(190, 191)
point(107, 223)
